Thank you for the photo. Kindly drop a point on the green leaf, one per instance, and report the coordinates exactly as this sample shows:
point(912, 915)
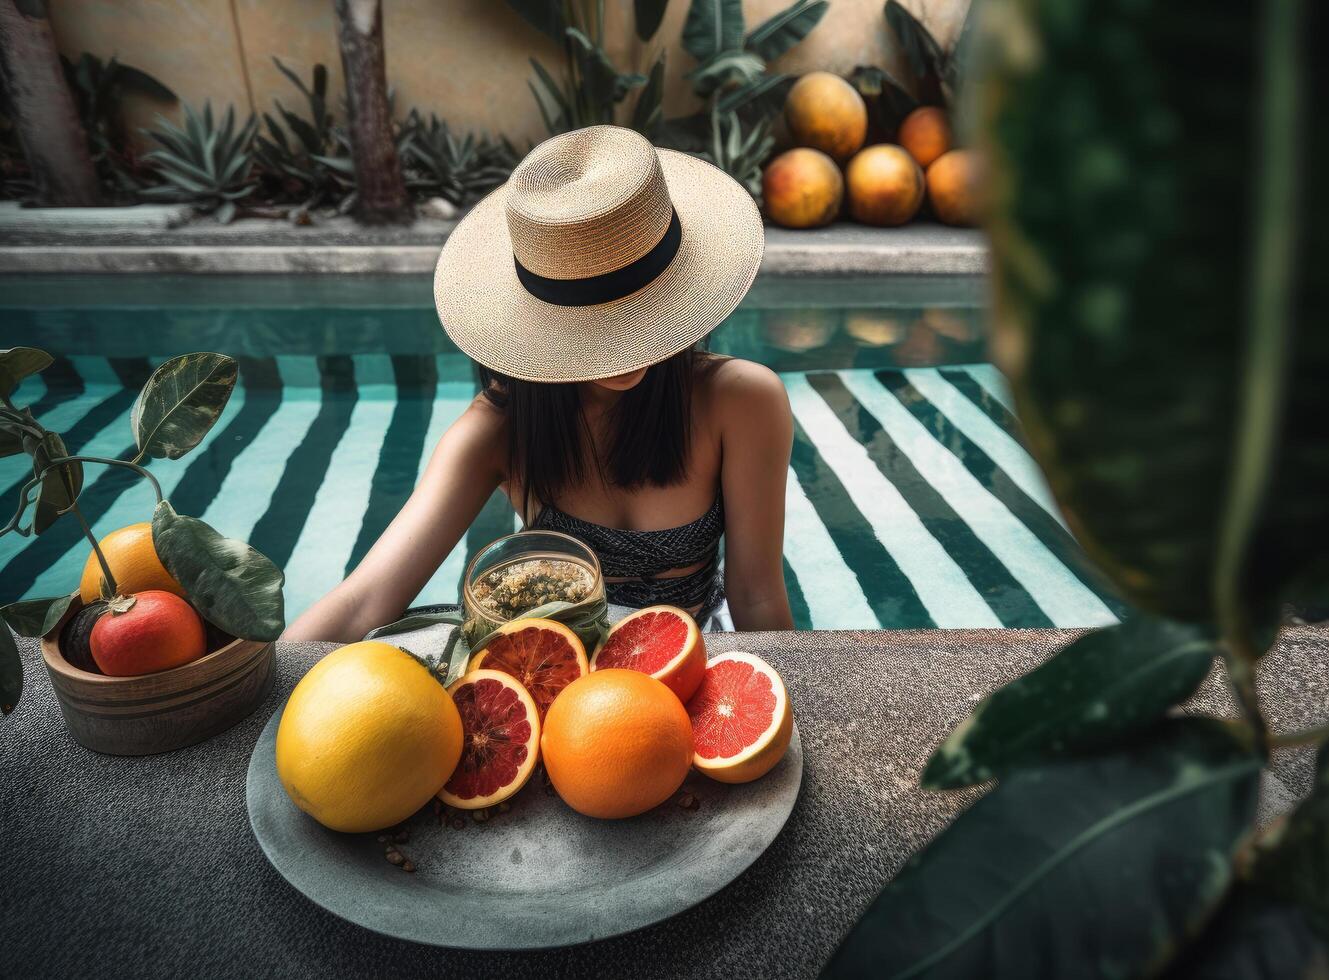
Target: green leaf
point(17, 363)
point(1251, 938)
point(35, 617)
point(648, 112)
point(647, 15)
point(180, 403)
point(768, 90)
point(11, 671)
point(60, 487)
point(1122, 253)
point(546, 16)
point(231, 584)
point(1105, 685)
point(777, 35)
point(921, 50)
point(713, 26)
point(1100, 866)
point(725, 68)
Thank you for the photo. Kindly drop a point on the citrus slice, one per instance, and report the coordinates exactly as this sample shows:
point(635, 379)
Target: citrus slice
point(662, 641)
point(543, 654)
point(501, 740)
point(741, 719)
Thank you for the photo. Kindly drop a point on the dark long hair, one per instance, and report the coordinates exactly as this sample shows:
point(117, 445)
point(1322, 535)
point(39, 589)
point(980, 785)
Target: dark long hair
point(549, 440)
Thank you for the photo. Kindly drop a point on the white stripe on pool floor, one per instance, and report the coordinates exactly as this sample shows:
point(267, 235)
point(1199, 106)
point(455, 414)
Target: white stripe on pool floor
point(246, 492)
point(942, 586)
point(333, 524)
point(832, 591)
point(1052, 586)
point(973, 422)
point(994, 383)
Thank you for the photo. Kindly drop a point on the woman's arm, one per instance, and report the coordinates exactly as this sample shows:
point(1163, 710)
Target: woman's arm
point(464, 470)
point(757, 435)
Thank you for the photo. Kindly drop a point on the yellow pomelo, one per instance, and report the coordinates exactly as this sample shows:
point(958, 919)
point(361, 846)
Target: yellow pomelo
point(367, 738)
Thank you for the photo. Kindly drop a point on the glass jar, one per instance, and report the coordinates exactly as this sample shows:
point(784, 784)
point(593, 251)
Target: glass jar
point(521, 571)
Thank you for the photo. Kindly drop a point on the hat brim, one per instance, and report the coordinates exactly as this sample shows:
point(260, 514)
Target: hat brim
point(488, 313)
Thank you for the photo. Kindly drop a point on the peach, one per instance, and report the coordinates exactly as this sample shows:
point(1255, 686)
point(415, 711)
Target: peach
point(885, 185)
point(802, 188)
point(826, 113)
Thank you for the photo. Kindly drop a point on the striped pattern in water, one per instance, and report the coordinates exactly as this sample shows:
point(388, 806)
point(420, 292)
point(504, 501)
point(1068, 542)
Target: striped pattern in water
point(910, 500)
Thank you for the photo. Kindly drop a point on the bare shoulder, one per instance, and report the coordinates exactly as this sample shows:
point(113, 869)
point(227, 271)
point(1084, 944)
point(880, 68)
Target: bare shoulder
point(477, 439)
point(745, 396)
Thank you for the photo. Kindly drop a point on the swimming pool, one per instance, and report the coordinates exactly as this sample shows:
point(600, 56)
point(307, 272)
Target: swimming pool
point(911, 502)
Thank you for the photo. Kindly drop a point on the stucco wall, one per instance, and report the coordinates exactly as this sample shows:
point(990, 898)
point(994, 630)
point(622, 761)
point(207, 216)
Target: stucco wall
point(464, 59)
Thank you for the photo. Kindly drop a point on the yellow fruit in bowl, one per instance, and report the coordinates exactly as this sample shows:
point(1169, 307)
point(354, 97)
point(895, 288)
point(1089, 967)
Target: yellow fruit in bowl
point(367, 738)
point(826, 113)
point(616, 743)
point(802, 188)
point(134, 563)
point(885, 185)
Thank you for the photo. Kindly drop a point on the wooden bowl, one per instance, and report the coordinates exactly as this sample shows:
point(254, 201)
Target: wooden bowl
point(162, 711)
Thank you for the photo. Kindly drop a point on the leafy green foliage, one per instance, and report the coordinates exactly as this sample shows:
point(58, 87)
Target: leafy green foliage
point(776, 35)
point(926, 60)
point(206, 163)
point(60, 486)
point(36, 617)
point(648, 112)
point(180, 403)
point(462, 170)
point(740, 153)
point(17, 363)
point(1055, 872)
point(303, 156)
point(235, 587)
point(712, 27)
point(11, 671)
point(1293, 867)
point(99, 88)
point(1106, 685)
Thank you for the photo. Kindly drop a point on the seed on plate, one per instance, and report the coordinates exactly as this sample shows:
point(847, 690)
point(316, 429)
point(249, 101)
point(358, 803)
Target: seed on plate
point(458, 823)
point(401, 836)
point(395, 857)
point(479, 816)
point(382, 838)
point(504, 807)
point(407, 866)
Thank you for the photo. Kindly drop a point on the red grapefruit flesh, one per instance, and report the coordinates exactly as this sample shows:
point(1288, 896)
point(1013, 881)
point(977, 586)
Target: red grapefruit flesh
point(741, 719)
point(662, 641)
point(501, 729)
point(543, 654)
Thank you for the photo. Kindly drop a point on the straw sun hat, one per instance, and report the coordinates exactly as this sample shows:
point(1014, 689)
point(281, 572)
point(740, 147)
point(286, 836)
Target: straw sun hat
point(599, 256)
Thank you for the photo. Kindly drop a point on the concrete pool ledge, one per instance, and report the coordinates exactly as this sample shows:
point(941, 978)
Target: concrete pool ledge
point(70, 244)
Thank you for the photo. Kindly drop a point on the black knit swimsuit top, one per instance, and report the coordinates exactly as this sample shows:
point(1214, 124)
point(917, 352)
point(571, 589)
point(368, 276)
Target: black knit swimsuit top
point(640, 557)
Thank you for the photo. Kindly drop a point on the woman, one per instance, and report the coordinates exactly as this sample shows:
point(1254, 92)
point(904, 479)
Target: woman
point(583, 288)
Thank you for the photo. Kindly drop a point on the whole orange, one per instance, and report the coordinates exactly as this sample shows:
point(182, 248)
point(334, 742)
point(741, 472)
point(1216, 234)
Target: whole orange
point(955, 187)
point(134, 563)
point(826, 113)
point(616, 743)
point(146, 632)
point(885, 185)
point(926, 134)
point(802, 188)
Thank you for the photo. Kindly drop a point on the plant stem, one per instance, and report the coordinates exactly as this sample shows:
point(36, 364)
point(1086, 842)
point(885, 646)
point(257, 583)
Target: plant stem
point(109, 461)
point(96, 550)
point(1260, 404)
point(1310, 736)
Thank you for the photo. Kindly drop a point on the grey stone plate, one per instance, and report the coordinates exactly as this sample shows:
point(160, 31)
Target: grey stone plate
point(540, 875)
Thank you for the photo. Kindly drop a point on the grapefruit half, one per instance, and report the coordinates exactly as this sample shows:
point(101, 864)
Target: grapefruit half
point(501, 740)
point(741, 719)
point(662, 641)
point(543, 654)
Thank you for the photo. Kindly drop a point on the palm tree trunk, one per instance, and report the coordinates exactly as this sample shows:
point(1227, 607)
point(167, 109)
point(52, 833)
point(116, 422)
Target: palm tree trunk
point(43, 110)
point(380, 188)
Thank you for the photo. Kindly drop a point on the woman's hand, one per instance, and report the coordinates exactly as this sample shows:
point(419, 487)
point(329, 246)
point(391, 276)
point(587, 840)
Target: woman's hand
point(466, 466)
point(757, 436)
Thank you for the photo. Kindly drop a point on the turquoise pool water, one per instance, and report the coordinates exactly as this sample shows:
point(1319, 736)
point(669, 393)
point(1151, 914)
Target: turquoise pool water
point(911, 501)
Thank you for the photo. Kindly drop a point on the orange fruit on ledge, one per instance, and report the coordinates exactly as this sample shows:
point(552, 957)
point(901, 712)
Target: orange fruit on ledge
point(134, 563)
point(802, 188)
point(662, 641)
point(616, 743)
point(926, 134)
point(826, 113)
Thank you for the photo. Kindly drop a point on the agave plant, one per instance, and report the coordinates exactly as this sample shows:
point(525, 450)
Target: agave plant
point(305, 157)
point(462, 170)
point(98, 88)
point(205, 164)
point(737, 151)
